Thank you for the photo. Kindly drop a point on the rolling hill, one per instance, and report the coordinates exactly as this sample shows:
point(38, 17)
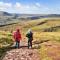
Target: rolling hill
point(41, 25)
point(46, 33)
point(38, 22)
point(6, 15)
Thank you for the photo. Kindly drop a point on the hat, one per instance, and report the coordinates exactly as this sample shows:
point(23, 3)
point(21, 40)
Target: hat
point(18, 30)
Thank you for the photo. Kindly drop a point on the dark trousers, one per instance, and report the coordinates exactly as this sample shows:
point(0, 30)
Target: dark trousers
point(29, 43)
point(17, 44)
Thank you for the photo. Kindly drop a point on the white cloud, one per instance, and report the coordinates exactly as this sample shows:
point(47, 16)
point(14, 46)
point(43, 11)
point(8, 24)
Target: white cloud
point(5, 6)
point(38, 4)
point(36, 8)
point(2, 4)
point(17, 5)
point(8, 4)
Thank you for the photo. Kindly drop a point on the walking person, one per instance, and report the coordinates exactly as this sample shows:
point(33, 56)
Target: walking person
point(17, 37)
point(29, 35)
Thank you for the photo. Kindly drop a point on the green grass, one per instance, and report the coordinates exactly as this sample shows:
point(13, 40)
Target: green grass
point(5, 38)
point(49, 42)
point(43, 53)
point(5, 42)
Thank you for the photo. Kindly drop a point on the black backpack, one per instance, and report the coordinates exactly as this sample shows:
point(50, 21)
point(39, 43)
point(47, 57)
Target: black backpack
point(29, 35)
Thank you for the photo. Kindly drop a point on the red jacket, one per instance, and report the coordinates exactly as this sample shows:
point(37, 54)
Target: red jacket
point(17, 36)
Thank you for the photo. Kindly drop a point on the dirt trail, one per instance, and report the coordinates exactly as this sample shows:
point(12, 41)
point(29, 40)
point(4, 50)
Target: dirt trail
point(22, 53)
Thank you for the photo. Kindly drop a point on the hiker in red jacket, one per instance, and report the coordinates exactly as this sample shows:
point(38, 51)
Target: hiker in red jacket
point(17, 37)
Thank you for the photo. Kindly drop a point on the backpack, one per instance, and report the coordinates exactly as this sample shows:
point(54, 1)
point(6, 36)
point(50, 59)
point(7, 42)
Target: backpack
point(29, 35)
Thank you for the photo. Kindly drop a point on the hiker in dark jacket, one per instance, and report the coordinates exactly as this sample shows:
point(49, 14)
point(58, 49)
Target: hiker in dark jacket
point(29, 35)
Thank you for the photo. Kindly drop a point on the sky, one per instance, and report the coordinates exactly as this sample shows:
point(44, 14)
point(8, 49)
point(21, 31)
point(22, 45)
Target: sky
point(31, 6)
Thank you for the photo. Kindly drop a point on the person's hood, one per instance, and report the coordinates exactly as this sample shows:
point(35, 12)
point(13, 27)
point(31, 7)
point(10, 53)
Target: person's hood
point(29, 31)
point(18, 30)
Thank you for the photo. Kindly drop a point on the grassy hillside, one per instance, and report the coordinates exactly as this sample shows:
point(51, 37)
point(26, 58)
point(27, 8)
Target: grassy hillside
point(5, 42)
point(45, 31)
point(41, 25)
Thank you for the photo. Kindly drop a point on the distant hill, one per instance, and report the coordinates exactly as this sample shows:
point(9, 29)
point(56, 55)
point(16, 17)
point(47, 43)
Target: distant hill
point(32, 16)
point(5, 13)
point(38, 25)
point(8, 18)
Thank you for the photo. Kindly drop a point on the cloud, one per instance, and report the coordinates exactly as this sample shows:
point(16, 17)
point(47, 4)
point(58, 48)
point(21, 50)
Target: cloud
point(2, 4)
point(35, 8)
point(17, 5)
point(38, 4)
point(5, 6)
point(24, 8)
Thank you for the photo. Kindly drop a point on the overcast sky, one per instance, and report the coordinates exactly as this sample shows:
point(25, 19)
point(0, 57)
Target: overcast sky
point(31, 6)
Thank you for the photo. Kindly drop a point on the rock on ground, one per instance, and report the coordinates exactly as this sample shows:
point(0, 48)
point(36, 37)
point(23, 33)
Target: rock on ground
point(22, 54)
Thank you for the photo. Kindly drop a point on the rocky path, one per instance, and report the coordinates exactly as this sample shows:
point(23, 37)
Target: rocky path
point(22, 53)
